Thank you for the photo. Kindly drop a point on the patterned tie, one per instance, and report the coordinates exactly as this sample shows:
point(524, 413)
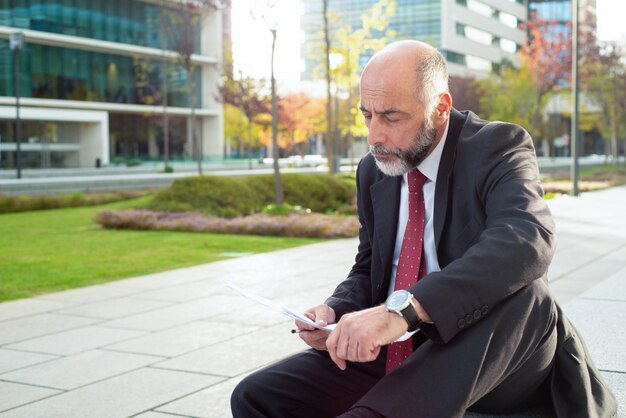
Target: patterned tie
point(410, 266)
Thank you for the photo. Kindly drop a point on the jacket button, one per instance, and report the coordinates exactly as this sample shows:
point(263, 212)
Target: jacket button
point(477, 314)
point(484, 310)
point(469, 319)
point(461, 323)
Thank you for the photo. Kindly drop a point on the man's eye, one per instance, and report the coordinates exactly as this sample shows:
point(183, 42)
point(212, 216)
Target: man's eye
point(367, 116)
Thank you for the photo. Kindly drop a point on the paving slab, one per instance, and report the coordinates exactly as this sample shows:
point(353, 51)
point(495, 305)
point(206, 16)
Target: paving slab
point(617, 381)
point(178, 314)
point(167, 278)
point(183, 339)
point(246, 352)
point(89, 294)
point(113, 308)
point(121, 396)
point(14, 359)
point(213, 402)
point(38, 325)
point(613, 288)
point(14, 394)
point(601, 323)
point(181, 293)
point(153, 414)
point(75, 340)
point(27, 307)
point(75, 371)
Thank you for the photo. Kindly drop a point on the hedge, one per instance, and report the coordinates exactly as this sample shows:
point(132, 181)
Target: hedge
point(231, 197)
point(11, 204)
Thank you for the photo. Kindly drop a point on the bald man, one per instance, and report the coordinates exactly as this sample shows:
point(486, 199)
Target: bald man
point(455, 237)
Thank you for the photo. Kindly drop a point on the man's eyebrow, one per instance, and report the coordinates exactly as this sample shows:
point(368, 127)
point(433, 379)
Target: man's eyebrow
point(390, 111)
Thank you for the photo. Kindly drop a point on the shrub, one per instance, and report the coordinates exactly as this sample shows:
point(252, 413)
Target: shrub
point(133, 162)
point(10, 204)
point(241, 196)
point(220, 196)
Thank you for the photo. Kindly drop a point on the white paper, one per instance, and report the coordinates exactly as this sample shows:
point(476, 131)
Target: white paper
point(279, 308)
point(293, 314)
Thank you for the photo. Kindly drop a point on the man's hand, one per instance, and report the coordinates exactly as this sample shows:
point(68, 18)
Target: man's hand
point(316, 338)
point(359, 335)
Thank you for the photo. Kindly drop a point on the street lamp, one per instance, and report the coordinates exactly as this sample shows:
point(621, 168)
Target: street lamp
point(16, 42)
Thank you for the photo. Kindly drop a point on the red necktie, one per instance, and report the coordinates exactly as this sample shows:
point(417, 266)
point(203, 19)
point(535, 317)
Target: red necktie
point(411, 265)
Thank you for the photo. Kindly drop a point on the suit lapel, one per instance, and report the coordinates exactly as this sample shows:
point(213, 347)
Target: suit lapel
point(444, 175)
point(386, 204)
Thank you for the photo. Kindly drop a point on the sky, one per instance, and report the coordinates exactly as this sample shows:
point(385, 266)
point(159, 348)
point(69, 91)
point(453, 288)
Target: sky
point(252, 40)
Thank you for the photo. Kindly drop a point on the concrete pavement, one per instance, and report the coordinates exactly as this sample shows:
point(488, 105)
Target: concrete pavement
point(176, 343)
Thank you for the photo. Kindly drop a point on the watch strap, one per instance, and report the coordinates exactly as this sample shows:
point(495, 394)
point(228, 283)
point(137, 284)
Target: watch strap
point(411, 317)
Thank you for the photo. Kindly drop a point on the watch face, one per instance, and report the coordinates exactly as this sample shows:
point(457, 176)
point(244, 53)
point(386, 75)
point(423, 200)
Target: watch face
point(398, 300)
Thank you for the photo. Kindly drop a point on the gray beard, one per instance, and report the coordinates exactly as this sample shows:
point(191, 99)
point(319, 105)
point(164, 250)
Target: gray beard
point(409, 158)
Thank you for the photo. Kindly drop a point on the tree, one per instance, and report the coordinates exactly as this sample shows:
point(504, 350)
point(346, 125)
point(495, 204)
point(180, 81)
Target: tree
point(300, 117)
point(348, 47)
point(547, 56)
point(241, 134)
point(465, 94)
point(510, 95)
point(182, 23)
point(245, 94)
point(606, 83)
point(266, 15)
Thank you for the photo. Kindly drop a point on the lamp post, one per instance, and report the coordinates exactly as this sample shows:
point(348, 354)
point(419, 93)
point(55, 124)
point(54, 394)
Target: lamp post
point(16, 43)
point(574, 128)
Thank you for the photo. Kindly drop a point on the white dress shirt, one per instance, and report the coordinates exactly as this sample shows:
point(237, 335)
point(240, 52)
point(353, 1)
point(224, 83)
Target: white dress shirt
point(429, 168)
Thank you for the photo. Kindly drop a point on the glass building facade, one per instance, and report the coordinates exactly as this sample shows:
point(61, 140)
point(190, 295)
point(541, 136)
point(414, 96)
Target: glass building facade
point(109, 58)
point(124, 21)
point(49, 72)
point(428, 21)
point(414, 19)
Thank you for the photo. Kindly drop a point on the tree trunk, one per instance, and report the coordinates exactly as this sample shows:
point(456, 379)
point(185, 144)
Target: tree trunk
point(330, 140)
point(250, 144)
point(166, 130)
point(278, 185)
point(613, 121)
point(192, 98)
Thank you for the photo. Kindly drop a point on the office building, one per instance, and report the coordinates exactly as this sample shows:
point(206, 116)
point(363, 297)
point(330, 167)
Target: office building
point(91, 82)
point(474, 35)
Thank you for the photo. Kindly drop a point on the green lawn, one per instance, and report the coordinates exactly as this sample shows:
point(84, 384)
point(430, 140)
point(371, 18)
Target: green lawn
point(46, 251)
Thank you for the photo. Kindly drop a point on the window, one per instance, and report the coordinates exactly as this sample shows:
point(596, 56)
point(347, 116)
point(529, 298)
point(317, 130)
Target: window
point(508, 45)
point(508, 19)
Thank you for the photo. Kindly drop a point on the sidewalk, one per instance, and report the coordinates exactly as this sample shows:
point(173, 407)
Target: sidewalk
point(176, 343)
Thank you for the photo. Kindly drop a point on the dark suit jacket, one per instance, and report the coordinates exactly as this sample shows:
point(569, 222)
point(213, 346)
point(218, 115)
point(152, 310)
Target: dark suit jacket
point(493, 230)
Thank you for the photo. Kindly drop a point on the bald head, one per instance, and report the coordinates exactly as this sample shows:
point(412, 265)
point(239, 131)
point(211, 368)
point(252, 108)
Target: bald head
point(414, 64)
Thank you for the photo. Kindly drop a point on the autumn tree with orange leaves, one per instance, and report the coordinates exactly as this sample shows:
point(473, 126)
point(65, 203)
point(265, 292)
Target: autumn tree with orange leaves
point(300, 117)
point(548, 57)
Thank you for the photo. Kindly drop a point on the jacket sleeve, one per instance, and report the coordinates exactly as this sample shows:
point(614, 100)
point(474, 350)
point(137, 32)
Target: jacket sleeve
point(354, 293)
point(514, 241)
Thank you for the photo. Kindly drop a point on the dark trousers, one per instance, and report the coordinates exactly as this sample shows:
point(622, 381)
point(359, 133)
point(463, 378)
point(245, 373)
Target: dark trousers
point(499, 365)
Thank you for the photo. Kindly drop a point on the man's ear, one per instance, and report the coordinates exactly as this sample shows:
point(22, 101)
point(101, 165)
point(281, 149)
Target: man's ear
point(442, 110)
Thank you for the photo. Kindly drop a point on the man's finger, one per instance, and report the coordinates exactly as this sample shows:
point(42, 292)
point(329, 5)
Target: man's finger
point(331, 346)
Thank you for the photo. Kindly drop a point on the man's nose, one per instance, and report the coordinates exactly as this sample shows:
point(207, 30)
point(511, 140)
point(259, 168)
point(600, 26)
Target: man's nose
point(375, 133)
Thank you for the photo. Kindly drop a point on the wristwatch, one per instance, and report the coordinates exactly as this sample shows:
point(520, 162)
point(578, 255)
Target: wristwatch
point(399, 302)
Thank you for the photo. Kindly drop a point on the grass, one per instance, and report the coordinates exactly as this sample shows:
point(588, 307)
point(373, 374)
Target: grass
point(595, 178)
point(47, 251)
